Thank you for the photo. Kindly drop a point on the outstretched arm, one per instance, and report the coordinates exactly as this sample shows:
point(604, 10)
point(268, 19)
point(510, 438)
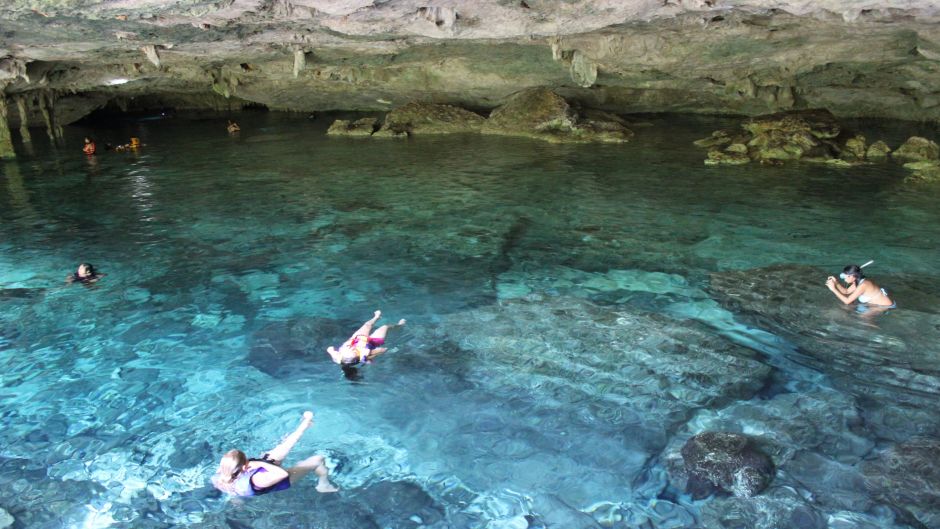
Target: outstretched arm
point(279, 452)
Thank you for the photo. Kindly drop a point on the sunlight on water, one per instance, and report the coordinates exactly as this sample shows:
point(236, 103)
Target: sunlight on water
point(575, 315)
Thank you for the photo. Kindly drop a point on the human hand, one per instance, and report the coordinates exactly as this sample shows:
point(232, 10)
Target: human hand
point(308, 415)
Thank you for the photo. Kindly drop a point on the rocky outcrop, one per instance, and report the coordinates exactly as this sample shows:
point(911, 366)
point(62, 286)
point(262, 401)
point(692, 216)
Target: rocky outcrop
point(624, 57)
point(361, 127)
point(428, 118)
point(541, 113)
point(917, 149)
point(725, 461)
point(906, 476)
point(810, 135)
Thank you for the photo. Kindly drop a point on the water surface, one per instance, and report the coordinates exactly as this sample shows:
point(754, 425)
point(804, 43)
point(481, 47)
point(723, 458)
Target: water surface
point(568, 328)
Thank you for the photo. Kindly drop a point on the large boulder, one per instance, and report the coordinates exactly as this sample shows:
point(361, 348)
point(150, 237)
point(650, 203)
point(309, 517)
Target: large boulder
point(360, 127)
point(917, 149)
point(726, 461)
point(906, 475)
point(429, 118)
point(878, 151)
point(543, 114)
point(818, 122)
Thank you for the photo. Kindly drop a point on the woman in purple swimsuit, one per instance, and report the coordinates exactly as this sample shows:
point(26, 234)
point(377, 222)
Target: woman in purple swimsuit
point(239, 476)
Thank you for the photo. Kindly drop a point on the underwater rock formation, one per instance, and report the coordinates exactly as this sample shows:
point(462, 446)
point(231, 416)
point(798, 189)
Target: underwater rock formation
point(727, 461)
point(865, 360)
point(906, 475)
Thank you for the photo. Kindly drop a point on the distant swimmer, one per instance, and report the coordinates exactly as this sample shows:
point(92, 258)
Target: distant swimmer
point(89, 147)
point(859, 288)
point(363, 345)
point(85, 274)
point(240, 476)
point(232, 127)
point(133, 145)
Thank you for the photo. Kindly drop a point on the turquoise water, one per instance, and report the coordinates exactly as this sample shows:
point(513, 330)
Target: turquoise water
point(575, 313)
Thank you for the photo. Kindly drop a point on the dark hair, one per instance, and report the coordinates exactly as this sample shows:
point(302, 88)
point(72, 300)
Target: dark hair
point(854, 270)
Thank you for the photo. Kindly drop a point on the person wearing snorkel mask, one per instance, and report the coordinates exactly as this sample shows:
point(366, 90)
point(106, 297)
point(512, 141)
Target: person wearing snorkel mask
point(859, 288)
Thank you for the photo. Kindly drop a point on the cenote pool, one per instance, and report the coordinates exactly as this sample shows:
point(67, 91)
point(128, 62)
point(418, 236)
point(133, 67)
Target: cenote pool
point(575, 314)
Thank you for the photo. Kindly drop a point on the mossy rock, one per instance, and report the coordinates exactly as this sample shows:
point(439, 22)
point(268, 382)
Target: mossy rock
point(360, 127)
point(430, 118)
point(819, 122)
point(854, 149)
point(717, 157)
point(878, 151)
point(917, 149)
point(541, 113)
point(924, 170)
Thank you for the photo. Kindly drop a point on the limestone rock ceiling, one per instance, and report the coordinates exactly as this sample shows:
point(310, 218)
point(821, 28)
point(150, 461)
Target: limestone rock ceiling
point(857, 58)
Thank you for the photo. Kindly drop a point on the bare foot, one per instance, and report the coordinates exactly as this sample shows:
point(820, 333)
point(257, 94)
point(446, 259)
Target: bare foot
point(376, 315)
point(326, 487)
point(401, 322)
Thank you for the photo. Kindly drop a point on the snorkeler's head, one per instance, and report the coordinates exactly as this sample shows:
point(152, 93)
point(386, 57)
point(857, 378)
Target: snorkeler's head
point(854, 271)
point(86, 270)
point(231, 465)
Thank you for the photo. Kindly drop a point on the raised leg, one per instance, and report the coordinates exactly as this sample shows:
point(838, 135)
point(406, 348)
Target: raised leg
point(383, 330)
point(318, 466)
point(279, 452)
point(367, 326)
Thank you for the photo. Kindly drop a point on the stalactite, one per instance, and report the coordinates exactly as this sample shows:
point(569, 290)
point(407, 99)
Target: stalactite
point(24, 120)
point(300, 62)
point(6, 141)
point(47, 116)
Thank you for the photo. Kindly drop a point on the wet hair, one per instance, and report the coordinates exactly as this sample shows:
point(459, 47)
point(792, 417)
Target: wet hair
point(854, 270)
point(230, 467)
point(90, 268)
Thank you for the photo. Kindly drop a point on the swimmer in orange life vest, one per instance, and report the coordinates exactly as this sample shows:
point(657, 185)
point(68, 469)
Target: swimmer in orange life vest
point(89, 147)
point(364, 344)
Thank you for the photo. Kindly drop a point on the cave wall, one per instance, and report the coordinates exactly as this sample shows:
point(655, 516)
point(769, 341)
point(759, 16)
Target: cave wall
point(858, 59)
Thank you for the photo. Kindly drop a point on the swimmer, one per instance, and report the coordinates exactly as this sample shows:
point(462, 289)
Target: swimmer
point(364, 344)
point(858, 288)
point(85, 274)
point(89, 147)
point(232, 127)
point(239, 476)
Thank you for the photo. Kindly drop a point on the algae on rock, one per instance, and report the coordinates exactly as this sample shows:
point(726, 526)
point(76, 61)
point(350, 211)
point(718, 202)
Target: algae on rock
point(429, 118)
point(541, 113)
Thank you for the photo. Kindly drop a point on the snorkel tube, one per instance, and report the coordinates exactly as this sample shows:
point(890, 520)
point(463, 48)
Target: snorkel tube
point(843, 275)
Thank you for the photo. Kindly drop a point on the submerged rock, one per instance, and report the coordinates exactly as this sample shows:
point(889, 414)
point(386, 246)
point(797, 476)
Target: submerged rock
point(727, 461)
point(541, 113)
point(360, 127)
point(894, 360)
point(924, 170)
point(429, 118)
point(907, 475)
point(6, 519)
point(917, 149)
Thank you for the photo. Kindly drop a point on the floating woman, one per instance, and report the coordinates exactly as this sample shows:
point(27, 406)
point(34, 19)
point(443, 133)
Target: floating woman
point(240, 476)
point(364, 344)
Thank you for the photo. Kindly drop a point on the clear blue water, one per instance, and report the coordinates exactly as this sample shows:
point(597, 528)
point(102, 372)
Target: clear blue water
point(568, 328)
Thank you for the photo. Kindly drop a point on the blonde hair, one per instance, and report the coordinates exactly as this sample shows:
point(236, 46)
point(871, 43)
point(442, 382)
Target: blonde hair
point(230, 467)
